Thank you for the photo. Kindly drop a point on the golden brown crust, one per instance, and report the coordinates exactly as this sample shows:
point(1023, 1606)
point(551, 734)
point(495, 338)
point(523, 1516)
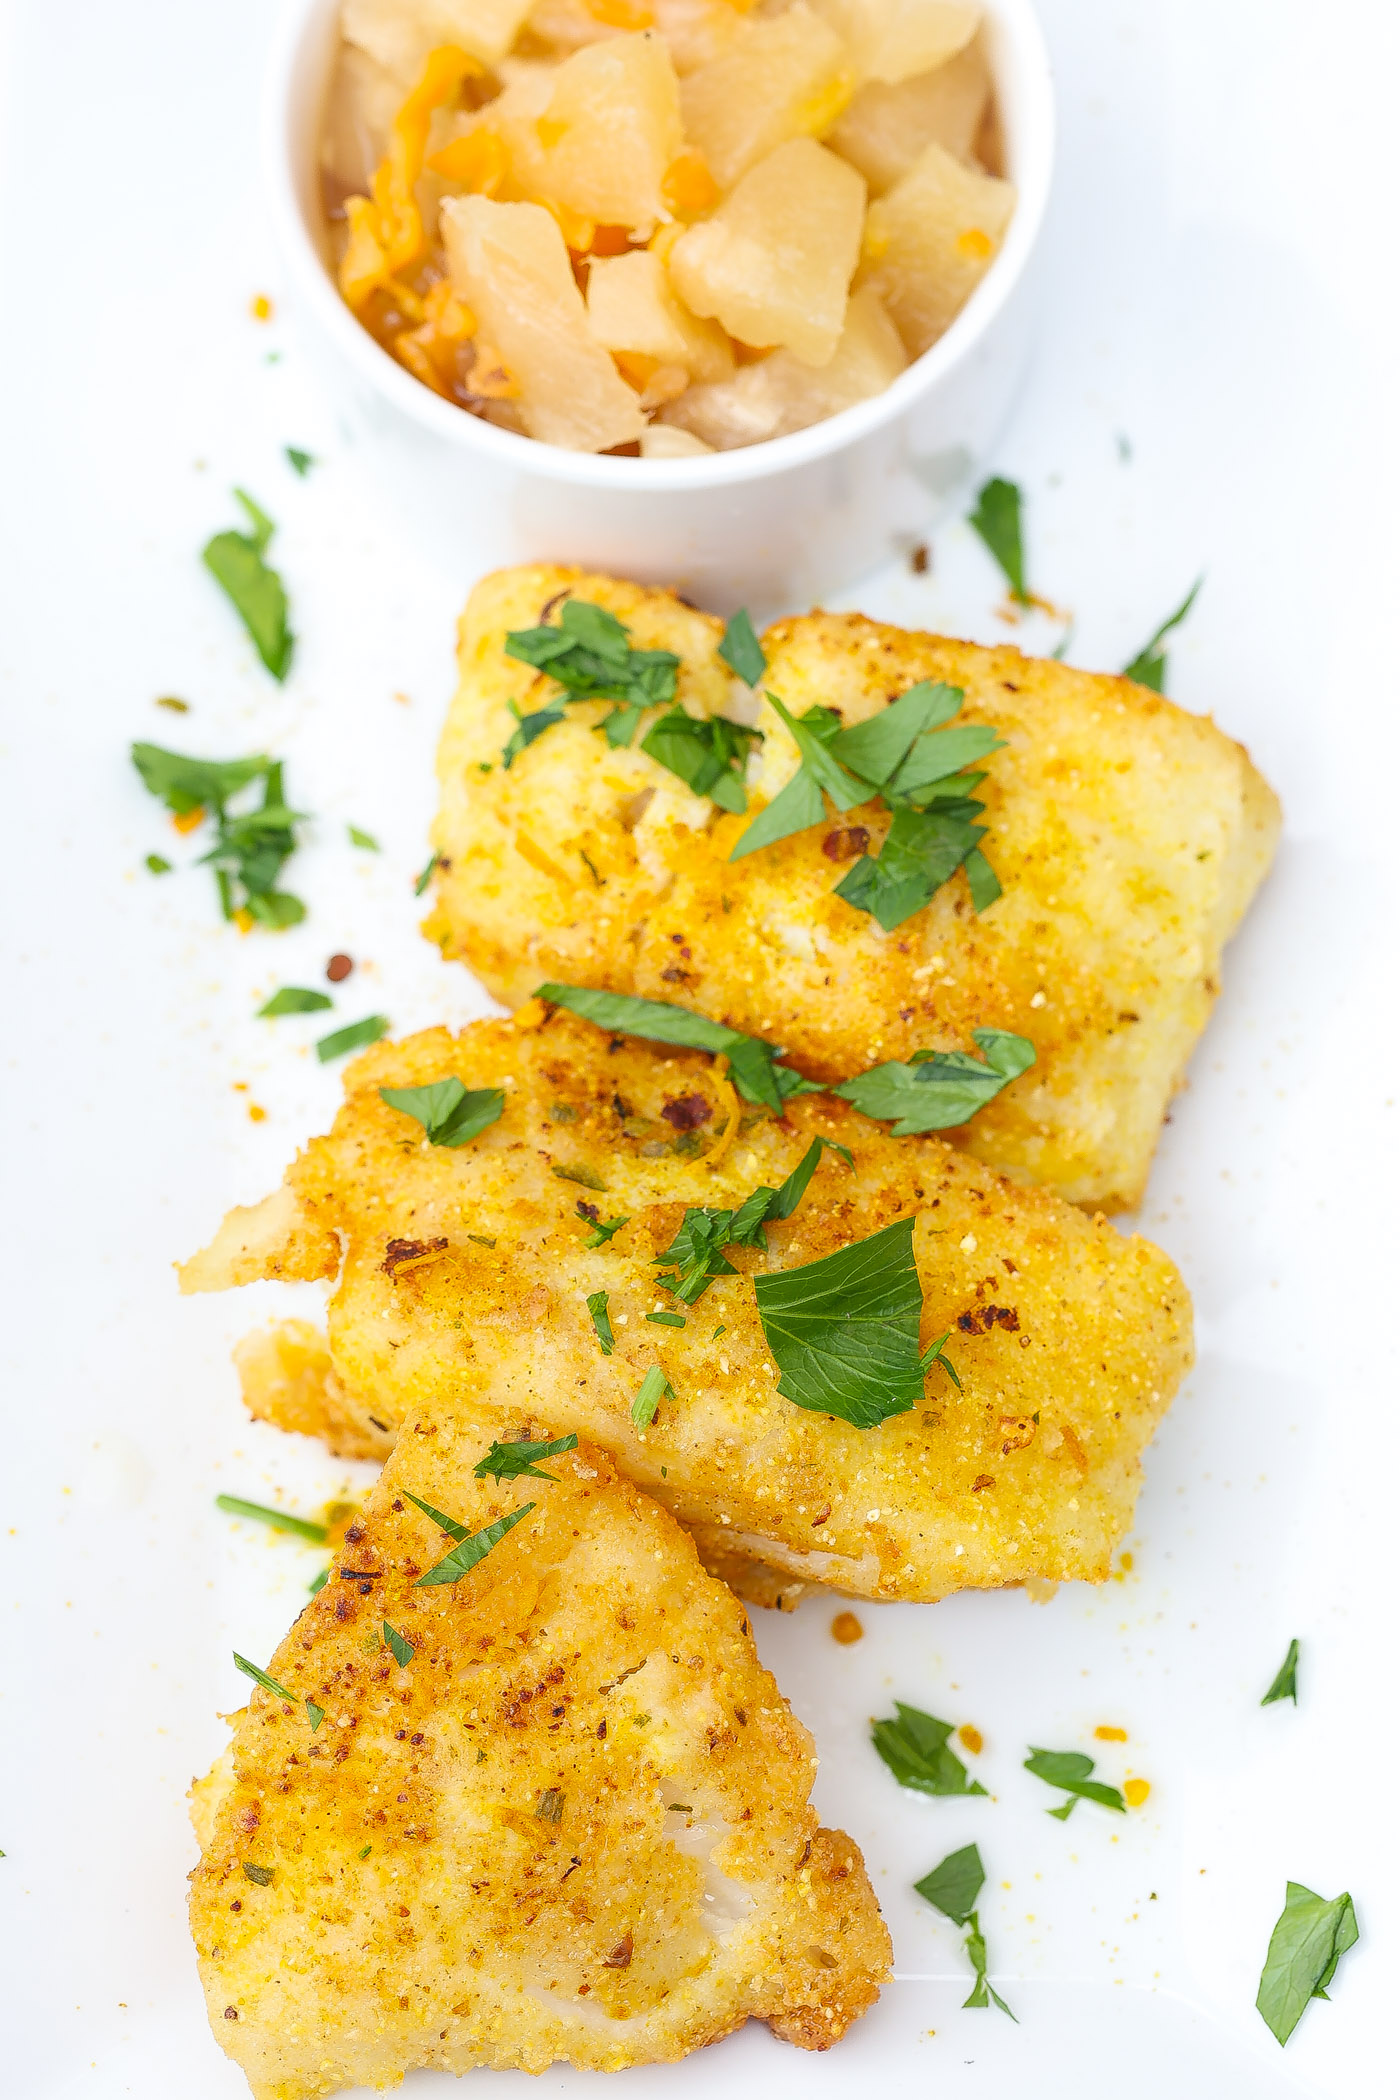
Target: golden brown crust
point(1129, 837)
point(1069, 1338)
point(574, 1827)
point(285, 1377)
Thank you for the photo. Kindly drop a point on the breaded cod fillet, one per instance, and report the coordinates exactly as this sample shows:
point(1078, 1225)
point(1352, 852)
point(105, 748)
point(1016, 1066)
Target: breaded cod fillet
point(572, 1826)
point(1128, 836)
point(466, 1274)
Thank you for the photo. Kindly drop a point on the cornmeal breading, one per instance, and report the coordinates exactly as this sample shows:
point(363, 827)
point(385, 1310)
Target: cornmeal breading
point(1129, 838)
point(465, 1275)
point(573, 1826)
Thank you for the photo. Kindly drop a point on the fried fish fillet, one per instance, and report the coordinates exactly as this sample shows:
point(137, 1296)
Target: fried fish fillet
point(1128, 836)
point(465, 1276)
point(572, 1826)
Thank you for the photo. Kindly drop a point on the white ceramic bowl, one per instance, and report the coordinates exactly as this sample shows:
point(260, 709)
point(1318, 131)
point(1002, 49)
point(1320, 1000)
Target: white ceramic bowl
point(770, 525)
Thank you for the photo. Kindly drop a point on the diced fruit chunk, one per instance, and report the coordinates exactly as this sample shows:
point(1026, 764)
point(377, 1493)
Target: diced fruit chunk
point(631, 306)
point(610, 131)
point(780, 394)
point(509, 264)
point(892, 40)
point(774, 264)
point(661, 441)
point(929, 241)
point(886, 128)
point(399, 34)
point(698, 30)
point(786, 77)
point(363, 102)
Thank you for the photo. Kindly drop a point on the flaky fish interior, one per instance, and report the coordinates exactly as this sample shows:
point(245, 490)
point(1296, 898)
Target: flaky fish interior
point(552, 1809)
point(1127, 835)
point(464, 1276)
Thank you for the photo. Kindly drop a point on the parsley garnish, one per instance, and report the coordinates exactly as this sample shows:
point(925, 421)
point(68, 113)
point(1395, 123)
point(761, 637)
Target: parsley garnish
point(1149, 666)
point(358, 1036)
point(1285, 1685)
point(301, 462)
point(916, 765)
point(654, 1388)
point(696, 1256)
point(708, 754)
point(844, 1331)
point(953, 1887)
point(517, 1461)
point(758, 1079)
point(1070, 1769)
point(527, 728)
point(468, 1550)
point(1308, 1941)
point(250, 849)
point(939, 1089)
point(578, 1171)
point(317, 1584)
point(235, 560)
point(597, 1303)
point(269, 1684)
point(600, 1230)
point(401, 1650)
point(666, 1319)
point(742, 650)
point(362, 839)
point(915, 1747)
point(997, 523)
point(158, 864)
point(426, 877)
point(278, 1519)
point(450, 1113)
point(314, 1713)
point(293, 999)
point(589, 654)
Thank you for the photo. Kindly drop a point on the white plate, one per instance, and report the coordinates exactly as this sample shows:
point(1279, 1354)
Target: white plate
point(1228, 186)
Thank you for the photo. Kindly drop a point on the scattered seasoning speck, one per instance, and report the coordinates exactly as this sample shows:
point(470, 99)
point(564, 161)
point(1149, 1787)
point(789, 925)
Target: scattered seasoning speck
point(339, 968)
point(176, 707)
point(970, 1737)
point(846, 1628)
point(1135, 1792)
point(260, 307)
point(918, 560)
point(1104, 1733)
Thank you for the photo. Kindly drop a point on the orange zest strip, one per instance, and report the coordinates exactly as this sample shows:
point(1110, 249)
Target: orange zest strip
point(386, 228)
point(729, 1101)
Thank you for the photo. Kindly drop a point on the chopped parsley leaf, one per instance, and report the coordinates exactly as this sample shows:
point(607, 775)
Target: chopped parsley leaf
point(250, 848)
point(468, 1551)
point(1307, 1943)
point(915, 1747)
point(365, 1851)
point(666, 1319)
point(401, 1650)
point(1285, 1685)
point(276, 1519)
point(235, 561)
point(742, 650)
point(358, 1036)
point(301, 462)
point(600, 1230)
point(654, 1388)
point(597, 1303)
point(158, 864)
point(588, 653)
point(708, 754)
point(799, 805)
point(315, 1714)
point(939, 1089)
point(1149, 666)
point(453, 1529)
point(585, 1176)
point(426, 877)
point(997, 523)
point(517, 1461)
point(293, 999)
point(317, 1584)
point(362, 839)
point(1070, 1769)
point(758, 1079)
point(451, 1114)
point(844, 1331)
point(527, 728)
point(953, 1887)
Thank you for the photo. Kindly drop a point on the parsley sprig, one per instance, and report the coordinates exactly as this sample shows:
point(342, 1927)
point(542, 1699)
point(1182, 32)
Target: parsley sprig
point(451, 1114)
point(235, 561)
point(1307, 1943)
point(997, 523)
point(953, 1887)
point(517, 1461)
point(1070, 1769)
point(470, 1548)
point(589, 654)
point(939, 1089)
point(696, 1255)
point(1149, 666)
point(752, 1067)
point(1285, 1684)
point(252, 846)
point(915, 1747)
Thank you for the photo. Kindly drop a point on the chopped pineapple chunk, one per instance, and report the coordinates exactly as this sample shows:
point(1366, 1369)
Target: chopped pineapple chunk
point(661, 441)
point(779, 394)
point(929, 242)
point(631, 306)
point(509, 264)
point(785, 77)
point(892, 40)
point(360, 109)
point(698, 30)
point(610, 130)
point(399, 34)
point(886, 128)
point(774, 263)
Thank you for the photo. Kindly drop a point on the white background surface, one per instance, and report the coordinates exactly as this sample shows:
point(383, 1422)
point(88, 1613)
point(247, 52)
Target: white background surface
point(1219, 291)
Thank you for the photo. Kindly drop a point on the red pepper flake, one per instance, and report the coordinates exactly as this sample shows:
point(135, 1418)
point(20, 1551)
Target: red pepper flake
point(402, 1255)
point(621, 1956)
point(688, 1112)
point(846, 845)
point(339, 968)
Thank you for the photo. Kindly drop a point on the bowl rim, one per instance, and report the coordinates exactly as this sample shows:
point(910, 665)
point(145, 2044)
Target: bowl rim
point(1025, 65)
